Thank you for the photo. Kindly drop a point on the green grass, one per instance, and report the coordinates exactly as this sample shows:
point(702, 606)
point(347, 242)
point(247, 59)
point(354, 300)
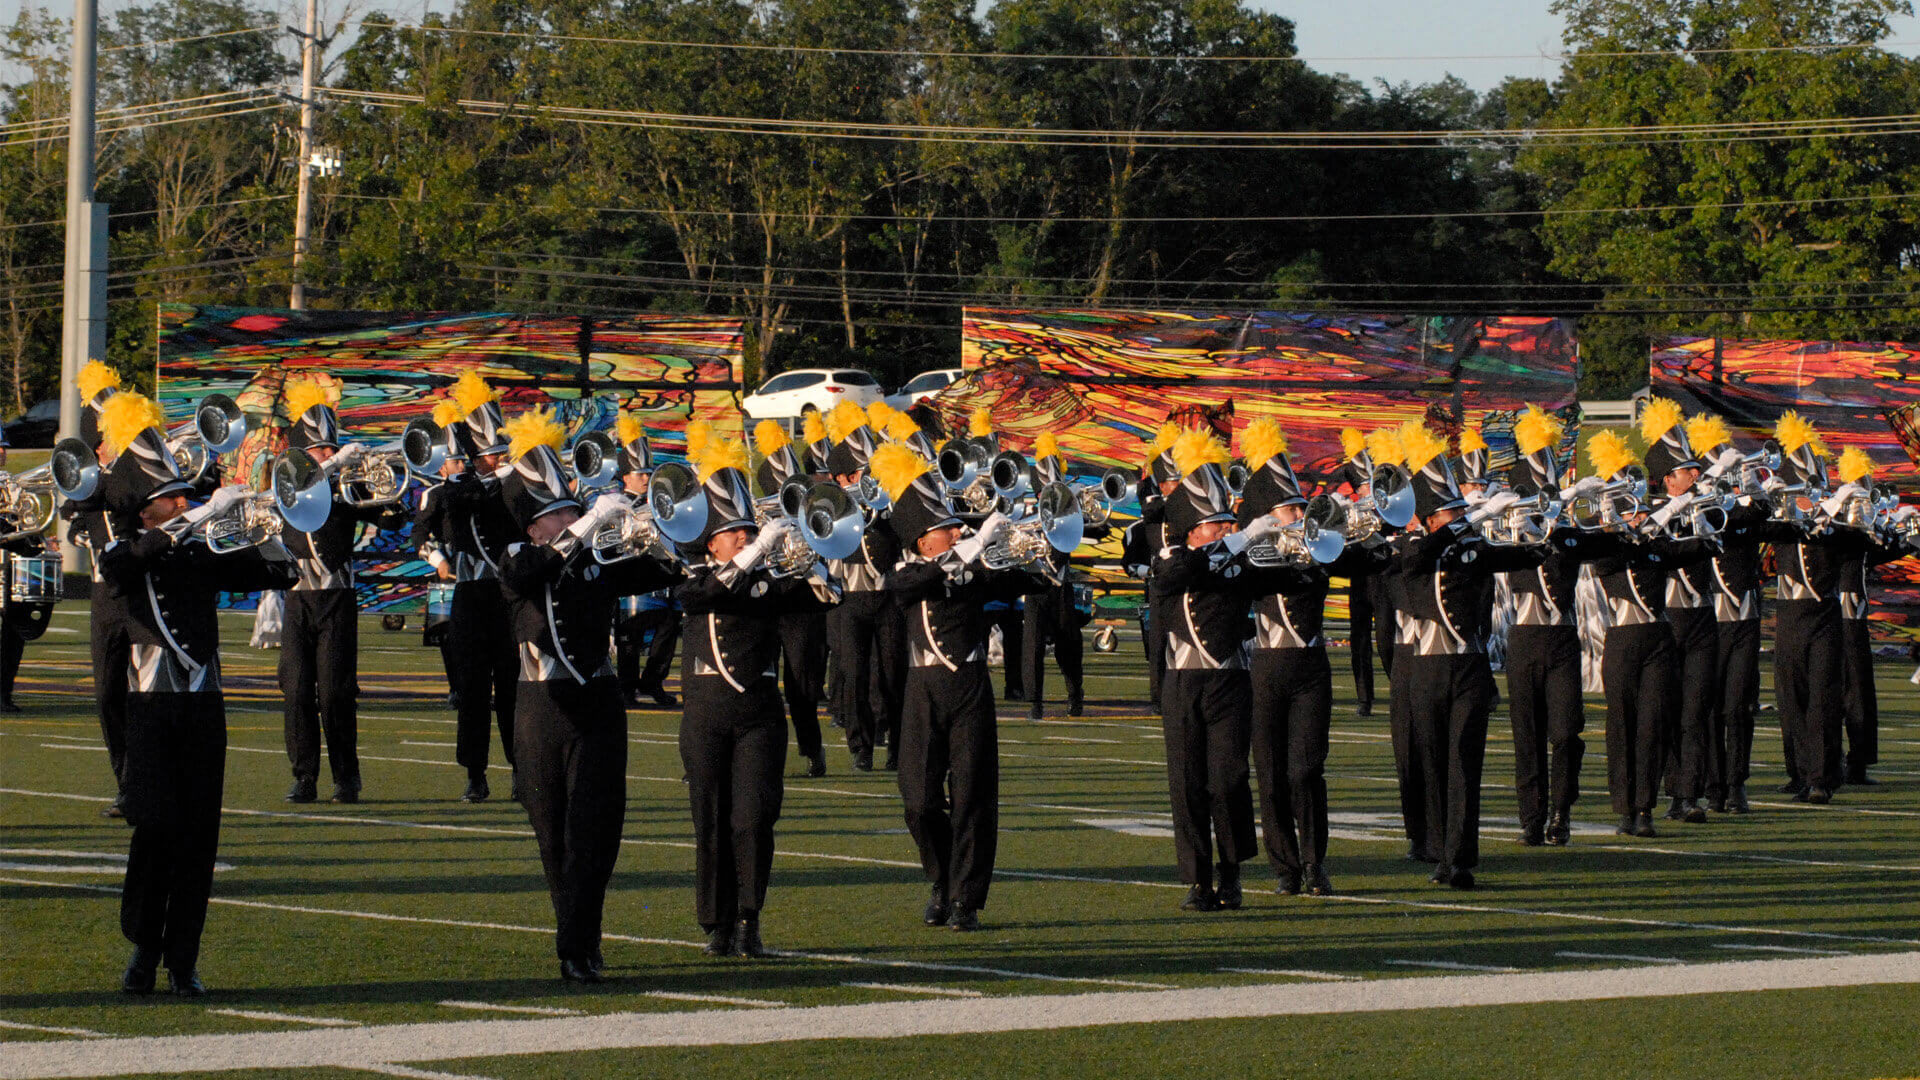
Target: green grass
point(1108, 912)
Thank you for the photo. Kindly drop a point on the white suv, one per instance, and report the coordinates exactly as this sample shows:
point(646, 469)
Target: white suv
point(791, 393)
point(923, 386)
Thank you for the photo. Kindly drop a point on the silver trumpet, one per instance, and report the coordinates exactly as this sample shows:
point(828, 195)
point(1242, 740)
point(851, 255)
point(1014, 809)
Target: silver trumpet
point(1760, 463)
point(1097, 500)
point(217, 427)
point(1317, 538)
point(1526, 522)
point(1599, 508)
point(1702, 515)
point(1054, 525)
point(966, 468)
point(1388, 502)
point(383, 473)
point(1853, 507)
point(1785, 500)
point(26, 502)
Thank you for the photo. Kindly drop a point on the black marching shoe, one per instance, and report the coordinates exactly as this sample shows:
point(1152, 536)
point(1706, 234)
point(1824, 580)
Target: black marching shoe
point(1289, 883)
point(1625, 828)
point(964, 920)
point(1858, 775)
point(817, 764)
point(186, 984)
point(141, 968)
point(1677, 810)
point(1416, 853)
point(746, 937)
point(937, 908)
point(1558, 831)
point(660, 696)
point(719, 941)
point(304, 790)
point(1737, 800)
point(1791, 787)
point(1819, 795)
point(1076, 705)
point(1228, 894)
point(346, 793)
point(1318, 883)
point(1036, 712)
point(7, 706)
point(1532, 836)
point(1643, 824)
point(117, 808)
point(1199, 898)
point(477, 790)
point(892, 764)
point(1461, 879)
point(863, 760)
point(1692, 813)
point(1717, 803)
point(579, 971)
point(1365, 708)
point(596, 961)
point(1442, 875)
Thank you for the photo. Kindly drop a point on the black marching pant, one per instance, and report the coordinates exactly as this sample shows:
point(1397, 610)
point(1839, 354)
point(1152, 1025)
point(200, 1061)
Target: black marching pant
point(112, 657)
point(1448, 698)
point(1051, 617)
point(1413, 792)
point(1012, 623)
point(1292, 710)
point(486, 669)
point(1643, 691)
point(1360, 638)
point(571, 750)
point(664, 623)
point(1385, 625)
point(1693, 747)
point(869, 649)
point(1153, 639)
point(1543, 701)
point(175, 772)
point(734, 747)
point(1808, 674)
point(13, 649)
point(319, 682)
point(1739, 699)
point(1206, 717)
point(950, 778)
point(1859, 700)
point(803, 646)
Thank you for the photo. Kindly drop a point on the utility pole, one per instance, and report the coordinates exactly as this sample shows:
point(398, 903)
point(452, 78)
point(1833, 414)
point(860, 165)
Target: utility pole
point(83, 328)
point(309, 62)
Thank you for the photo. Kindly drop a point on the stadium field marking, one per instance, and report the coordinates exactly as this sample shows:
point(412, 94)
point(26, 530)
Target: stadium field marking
point(911, 988)
point(415, 742)
point(1757, 858)
point(377, 1048)
point(84, 1033)
point(284, 1018)
point(414, 1074)
point(715, 999)
point(72, 746)
point(1781, 949)
point(1078, 739)
point(535, 1010)
point(1628, 957)
point(1449, 965)
point(1832, 809)
point(1293, 973)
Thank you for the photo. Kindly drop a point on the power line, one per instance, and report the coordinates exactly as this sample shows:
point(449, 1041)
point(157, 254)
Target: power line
point(184, 40)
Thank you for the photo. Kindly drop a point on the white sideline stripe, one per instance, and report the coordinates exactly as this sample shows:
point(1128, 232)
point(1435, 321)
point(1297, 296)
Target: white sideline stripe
point(17, 1025)
point(911, 988)
point(414, 742)
point(1781, 948)
point(467, 1039)
point(285, 1018)
point(717, 999)
point(1830, 808)
point(1293, 973)
point(72, 746)
point(1448, 965)
point(414, 1074)
point(1757, 858)
point(537, 1010)
point(1629, 957)
point(1072, 739)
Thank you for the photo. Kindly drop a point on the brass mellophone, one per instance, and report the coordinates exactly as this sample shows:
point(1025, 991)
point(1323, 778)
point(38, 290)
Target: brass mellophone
point(966, 468)
point(1053, 524)
point(1317, 538)
point(26, 502)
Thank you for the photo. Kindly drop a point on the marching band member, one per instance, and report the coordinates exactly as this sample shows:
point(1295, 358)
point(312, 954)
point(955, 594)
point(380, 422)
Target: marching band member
point(733, 739)
point(481, 528)
point(430, 534)
point(320, 637)
point(1357, 474)
point(175, 713)
point(1206, 696)
point(803, 630)
point(1050, 613)
point(949, 746)
point(1383, 448)
point(866, 644)
point(656, 624)
point(570, 729)
point(90, 524)
point(1144, 539)
point(1859, 703)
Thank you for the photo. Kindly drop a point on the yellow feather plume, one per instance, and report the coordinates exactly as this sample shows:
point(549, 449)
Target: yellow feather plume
point(901, 427)
point(1163, 439)
point(845, 419)
point(1262, 440)
point(1420, 445)
point(1196, 448)
point(533, 428)
point(125, 415)
point(699, 434)
point(1658, 418)
point(1707, 433)
point(769, 438)
point(1536, 430)
point(878, 413)
point(627, 428)
point(301, 395)
point(1352, 442)
point(1855, 465)
point(895, 468)
point(1046, 446)
point(1792, 431)
point(1609, 453)
point(1471, 440)
point(1383, 446)
point(980, 424)
point(446, 411)
point(721, 452)
point(95, 377)
point(471, 392)
point(812, 427)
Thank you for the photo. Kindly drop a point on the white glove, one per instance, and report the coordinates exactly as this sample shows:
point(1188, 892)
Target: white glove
point(1728, 459)
point(218, 503)
point(994, 527)
point(1258, 529)
point(969, 549)
point(1585, 487)
point(605, 511)
point(772, 536)
point(1773, 485)
point(1494, 505)
point(1839, 498)
point(349, 453)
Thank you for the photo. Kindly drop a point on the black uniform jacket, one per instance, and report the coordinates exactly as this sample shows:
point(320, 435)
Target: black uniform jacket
point(1202, 607)
point(1439, 580)
point(171, 589)
point(1634, 582)
point(1292, 601)
point(478, 526)
point(324, 557)
point(944, 601)
point(1544, 594)
point(562, 607)
point(733, 626)
point(866, 569)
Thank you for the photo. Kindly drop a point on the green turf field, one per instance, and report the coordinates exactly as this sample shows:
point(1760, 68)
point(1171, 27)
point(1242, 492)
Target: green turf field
point(1727, 950)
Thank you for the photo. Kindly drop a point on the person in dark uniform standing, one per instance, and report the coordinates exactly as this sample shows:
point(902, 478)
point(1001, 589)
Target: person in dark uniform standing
point(1858, 700)
point(803, 629)
point(320, 638)
point(570, 730)
point(865, 649)
point(1142, 542)
point(1357, 474)
point(89, 524)
point(949, 745)
point(430, 535)
point(653, 620)
point(1383, 448)
point(1052, 618)
point(733, 738)
point(20, 622)
point(176, 716)
point(480, 529)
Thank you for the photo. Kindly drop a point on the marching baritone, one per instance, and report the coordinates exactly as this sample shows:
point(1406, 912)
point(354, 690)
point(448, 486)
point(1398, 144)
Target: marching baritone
point(90, 524)
point(866, 645)
point(1144, 539)
point(570, 732)
point(176, 715)
point(1357, 473)
point(1051, 615)
point(654, 619)
point(803, 630)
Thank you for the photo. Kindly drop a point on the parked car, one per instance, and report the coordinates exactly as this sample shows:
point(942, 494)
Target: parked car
point(923, 386)
point(36, 427)
point(792, 393)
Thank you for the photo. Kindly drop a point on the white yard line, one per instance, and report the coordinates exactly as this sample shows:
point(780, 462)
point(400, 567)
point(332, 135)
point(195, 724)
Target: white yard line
point(1781, 949)
point(488, 1006)
point(16, 1025)
point(716, 999)
point(1293, 973)
point(367, 1047)
point(1628, 957)
point(413, 1074)
point(285, 1018)
point(72, 746)
point(1448, 965)
point(910, 988)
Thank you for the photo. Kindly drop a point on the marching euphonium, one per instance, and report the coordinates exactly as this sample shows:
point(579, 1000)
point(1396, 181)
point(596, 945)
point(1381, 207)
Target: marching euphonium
point(964, 467)
point(380, 475)
point(1054, 525)
point(217, 427)
point(26, 502)
point(1097, 500)
point(794, 556)
point(1388, 502)
point(595, 461)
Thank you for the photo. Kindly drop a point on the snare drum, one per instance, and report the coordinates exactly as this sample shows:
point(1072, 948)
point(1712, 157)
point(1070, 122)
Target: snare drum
point(33, 579)
point(439, 604)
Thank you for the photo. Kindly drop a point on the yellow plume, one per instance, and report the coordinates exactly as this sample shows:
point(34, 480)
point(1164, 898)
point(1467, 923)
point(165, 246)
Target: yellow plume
point(895, 468)
point(627, 429)
point(721, 452)
point(1537, 430)
point(446, 411)
point(1471, 440)
point(471, 392)
point(770, 438)
point(1855, 465)
point(878, 413)
point(1163, 439)
point(1793, 431)
point(95, 377)
point(845, 419)
point(533, 428)
point(1352, 442)
point(1609, 453)
point(1196, 448)
point(812, 427)
point(699, 434)
point(301, 395)
point(125, 415)
point(980, 424)
point(1383, 446)
point(1262, 441)
point(901, 427)
point(1046, 446)
point(1658, 418)
point(1420, 445)
point(1707, 433)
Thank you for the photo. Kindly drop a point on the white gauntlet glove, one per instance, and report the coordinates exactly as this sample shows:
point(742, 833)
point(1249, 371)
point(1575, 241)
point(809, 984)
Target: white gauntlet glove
point(771, 537)
point(218, 503)
point(970, 549)
point(349, 453)
point(1258, 529)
